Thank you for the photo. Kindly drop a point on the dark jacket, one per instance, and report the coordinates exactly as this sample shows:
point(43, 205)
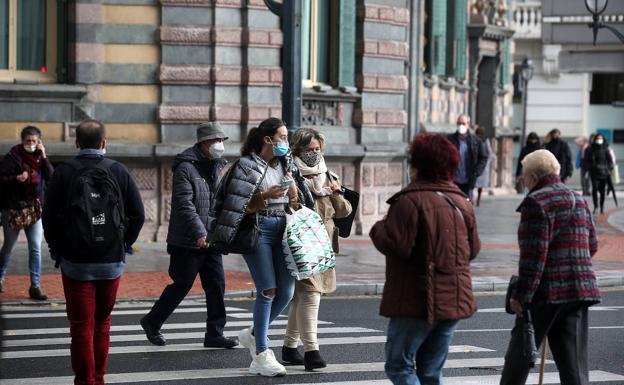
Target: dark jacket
point(557, 240)
point(598, 161)
point(237, 197)
point(428, 247)
point(194, 183)
point(562, 152)
point(526, 150)
point(477, 156)
point(16, 195)
point(56, 203)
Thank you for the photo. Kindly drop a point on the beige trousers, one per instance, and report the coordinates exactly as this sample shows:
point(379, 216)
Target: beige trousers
point(303, 319)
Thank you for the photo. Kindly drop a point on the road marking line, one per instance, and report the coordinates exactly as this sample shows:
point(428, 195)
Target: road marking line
point(233, 314)
point(127, 328)
point(147, 305)
point(591, 308)
point(193, 347)
point(549, 378)
point(115, 378)
point(174, 336)
point(508, 330)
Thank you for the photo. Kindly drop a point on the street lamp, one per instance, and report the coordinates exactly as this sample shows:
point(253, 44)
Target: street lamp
point(527, 69)
point(596, 8)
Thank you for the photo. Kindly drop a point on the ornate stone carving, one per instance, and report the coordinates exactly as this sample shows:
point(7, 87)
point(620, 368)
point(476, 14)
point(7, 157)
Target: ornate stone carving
point(144, 177)
point(489, 12)
point(151, 209)
point(320, 113)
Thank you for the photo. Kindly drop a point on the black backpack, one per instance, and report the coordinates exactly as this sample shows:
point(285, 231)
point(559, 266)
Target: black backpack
point(95, 218)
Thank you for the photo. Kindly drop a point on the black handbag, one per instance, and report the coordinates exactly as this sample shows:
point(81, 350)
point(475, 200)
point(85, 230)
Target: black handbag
point(246, 239)
point(345, 224)
point(513, 282)
point(529, 348)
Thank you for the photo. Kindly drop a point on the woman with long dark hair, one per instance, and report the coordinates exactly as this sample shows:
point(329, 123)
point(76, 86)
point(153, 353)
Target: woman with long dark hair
point(263, 185)
point(599, 162)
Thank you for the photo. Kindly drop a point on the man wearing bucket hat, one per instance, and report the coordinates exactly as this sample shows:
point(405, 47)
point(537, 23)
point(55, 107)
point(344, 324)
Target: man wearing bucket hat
point(195, 175)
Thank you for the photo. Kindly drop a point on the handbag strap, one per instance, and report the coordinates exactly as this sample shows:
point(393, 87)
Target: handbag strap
point(461, 214)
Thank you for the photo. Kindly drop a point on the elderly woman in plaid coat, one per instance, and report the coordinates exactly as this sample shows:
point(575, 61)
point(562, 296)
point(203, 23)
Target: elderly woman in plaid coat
point(556, 283)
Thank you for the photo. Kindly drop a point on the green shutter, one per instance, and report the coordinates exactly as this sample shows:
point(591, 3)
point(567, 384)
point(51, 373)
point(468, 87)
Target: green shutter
point(305, 39)
point(505, 77)
point(461, 20)
point(63, 36)
point(456, 38)
point(346, 43)
point(438, 37)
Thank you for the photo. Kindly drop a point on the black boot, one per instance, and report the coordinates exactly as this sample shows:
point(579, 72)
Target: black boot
point(291, 356)
point(313, 360)
point(152, 333)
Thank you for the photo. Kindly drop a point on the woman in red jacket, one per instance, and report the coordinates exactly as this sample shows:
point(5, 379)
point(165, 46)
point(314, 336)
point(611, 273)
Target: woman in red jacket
point(429, 238)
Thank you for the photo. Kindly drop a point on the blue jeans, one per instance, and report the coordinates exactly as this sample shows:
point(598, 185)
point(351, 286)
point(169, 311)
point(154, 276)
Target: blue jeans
point(268, 270)
point(410, 340)
point(34, 235)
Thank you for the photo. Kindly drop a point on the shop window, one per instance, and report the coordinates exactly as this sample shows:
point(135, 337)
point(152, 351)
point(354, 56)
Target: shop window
point(607, 89)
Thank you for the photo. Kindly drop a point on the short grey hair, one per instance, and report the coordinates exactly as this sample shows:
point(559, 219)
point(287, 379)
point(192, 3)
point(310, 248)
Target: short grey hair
point(540, 163)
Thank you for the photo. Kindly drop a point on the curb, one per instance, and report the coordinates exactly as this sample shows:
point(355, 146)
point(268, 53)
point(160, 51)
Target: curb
point(345, 290)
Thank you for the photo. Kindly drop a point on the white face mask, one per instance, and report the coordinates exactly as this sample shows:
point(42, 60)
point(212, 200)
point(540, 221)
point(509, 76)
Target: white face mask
point(30, 149)
point(462, 129)
point(216, 150)
point(599, 142)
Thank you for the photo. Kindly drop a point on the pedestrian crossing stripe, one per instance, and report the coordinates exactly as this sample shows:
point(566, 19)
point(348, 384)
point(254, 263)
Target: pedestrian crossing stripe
point(181, 375)
point(174, 336)
point(231, 312)
point(195, 346)
point(137, 327)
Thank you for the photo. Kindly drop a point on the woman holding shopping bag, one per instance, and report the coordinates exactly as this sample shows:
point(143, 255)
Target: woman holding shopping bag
point(249, 216)
point(308, 146)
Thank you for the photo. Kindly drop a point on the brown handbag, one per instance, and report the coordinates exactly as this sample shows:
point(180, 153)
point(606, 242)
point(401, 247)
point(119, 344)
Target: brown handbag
point(24, 217)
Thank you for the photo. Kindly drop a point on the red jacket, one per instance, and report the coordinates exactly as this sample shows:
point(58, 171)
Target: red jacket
point(428, 247)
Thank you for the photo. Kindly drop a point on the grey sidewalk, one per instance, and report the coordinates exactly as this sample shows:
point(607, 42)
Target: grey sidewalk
point(361, 269)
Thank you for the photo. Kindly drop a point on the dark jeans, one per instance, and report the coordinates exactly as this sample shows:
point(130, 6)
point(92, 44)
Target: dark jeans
point(466, 189)
point(566, 326)
point(184, 264)
point(599, 186)
point(89, 307)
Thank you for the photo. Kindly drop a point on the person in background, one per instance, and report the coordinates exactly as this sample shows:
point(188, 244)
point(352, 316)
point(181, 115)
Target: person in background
point(483, 181)
point(260, 184)
point(532, 144)
point(90, 278)
point(562, 152)
point(556, 283)
point(23, 173)
point(599, 163)
point(195, 175)
point(307, 148)
point(428, 237)
point(472, 156)
point(585, 180)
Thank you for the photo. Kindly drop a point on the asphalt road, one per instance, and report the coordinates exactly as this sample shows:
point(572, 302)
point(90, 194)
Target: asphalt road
point(352, 341)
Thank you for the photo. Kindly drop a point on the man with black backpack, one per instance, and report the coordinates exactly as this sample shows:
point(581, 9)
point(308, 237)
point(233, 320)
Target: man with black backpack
point(195, 175)
point(92, 215)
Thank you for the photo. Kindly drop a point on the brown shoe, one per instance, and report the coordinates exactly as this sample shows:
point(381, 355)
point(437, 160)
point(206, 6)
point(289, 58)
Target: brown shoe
point(37, 293)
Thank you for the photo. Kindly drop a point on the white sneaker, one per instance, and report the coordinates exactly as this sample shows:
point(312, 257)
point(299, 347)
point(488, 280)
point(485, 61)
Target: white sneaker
point(248, 340)
point(265, 364)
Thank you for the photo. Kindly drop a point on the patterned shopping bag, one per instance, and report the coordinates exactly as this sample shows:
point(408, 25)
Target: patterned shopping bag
point(307, 245)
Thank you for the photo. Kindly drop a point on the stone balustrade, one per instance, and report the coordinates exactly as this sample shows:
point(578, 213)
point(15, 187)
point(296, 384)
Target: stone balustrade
point(527, 20)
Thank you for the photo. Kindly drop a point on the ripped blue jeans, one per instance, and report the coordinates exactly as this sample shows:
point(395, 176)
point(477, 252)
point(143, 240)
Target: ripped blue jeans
point(268, 270)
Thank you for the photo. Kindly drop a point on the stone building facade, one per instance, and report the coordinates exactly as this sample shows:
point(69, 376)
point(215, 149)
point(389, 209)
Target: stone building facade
point(153, 69)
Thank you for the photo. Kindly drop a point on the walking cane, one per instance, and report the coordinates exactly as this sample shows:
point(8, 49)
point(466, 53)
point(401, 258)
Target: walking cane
point(543, 363)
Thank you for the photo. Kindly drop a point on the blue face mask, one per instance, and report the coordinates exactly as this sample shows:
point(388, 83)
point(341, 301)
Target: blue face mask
point(280, 149)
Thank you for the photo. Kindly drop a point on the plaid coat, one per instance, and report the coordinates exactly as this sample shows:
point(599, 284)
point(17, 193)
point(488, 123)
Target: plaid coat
point(557, 240)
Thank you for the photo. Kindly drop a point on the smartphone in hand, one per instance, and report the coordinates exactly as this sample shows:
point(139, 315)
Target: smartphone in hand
point(287, 182)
